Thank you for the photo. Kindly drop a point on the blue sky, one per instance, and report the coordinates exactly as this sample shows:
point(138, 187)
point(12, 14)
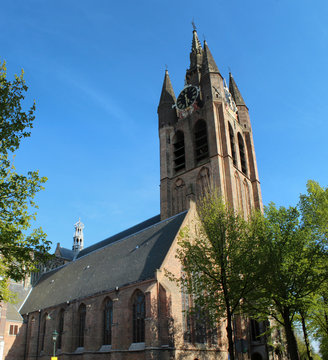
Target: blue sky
point(95, 69)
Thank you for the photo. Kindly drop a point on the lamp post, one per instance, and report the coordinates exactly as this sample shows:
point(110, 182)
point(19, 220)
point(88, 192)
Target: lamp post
point(54, 339)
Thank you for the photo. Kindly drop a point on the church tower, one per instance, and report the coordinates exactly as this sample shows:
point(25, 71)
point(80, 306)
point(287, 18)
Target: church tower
point(78, 237)
point(205, 139)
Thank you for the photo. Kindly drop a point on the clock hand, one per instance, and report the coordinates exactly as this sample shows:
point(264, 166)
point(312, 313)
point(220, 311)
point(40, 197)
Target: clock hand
point(186, 99)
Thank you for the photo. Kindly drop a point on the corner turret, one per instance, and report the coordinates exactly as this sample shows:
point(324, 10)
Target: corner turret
point(234, 91)
point(166, 114)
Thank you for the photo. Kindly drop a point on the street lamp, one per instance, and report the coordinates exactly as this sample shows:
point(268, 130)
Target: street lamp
point(54, 339)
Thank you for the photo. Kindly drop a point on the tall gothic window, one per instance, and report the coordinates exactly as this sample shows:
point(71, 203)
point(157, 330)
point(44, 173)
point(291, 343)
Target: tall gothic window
point(242, 154)
point(60, 328)
point(43, 331)
point(201, 143)
point(82, 315)
point(108, 320)
point(138, 317)
point(179, 151)
point(232, 145)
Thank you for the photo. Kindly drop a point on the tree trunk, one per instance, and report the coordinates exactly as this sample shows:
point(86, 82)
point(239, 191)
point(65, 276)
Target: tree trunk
point(230, 335)
point(290, 337)
point(306, 338)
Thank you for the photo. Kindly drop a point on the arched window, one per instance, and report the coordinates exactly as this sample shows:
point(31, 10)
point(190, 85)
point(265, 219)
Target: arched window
point(232, 145)
point(108, 321)
point(43, 330)
point(60, 328)
point(179, 151)
point(242, 154)
point(82, 315)
point(138, 317)
point(201, 144)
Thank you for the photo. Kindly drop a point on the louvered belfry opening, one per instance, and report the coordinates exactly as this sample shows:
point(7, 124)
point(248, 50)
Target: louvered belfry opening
point(201, 144)
point(179, 151)
point(232, 144)
point(242, 154)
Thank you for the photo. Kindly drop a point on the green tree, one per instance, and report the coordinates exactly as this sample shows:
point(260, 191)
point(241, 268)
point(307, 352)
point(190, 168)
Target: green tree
point(324, 347)
point(214, 260)
point(291, 267)
point(314, 215)
point(21, 247)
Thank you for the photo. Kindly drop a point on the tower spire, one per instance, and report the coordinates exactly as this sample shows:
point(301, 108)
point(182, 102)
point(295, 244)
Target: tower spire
point(209, 64)
point(234, 91)
point(78, 237)
point(196, 51)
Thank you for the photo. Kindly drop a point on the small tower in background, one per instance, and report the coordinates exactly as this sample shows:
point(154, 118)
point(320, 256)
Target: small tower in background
point(78, 237)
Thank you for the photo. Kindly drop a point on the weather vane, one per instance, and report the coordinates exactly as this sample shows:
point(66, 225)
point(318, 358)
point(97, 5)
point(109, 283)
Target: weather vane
point(229, 69)
point(165, 66)
point(193, 24)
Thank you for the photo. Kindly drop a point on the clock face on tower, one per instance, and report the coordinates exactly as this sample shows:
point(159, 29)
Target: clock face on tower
point(187, 97)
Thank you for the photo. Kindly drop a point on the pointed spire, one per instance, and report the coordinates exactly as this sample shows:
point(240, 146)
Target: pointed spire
point(167, 95)
point(234, 91)
point(196, 55)
point(209, 64)
point(196, 46)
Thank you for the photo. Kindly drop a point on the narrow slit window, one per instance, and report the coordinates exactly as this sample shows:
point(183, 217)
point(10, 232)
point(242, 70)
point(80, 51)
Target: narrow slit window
point(82, 315)
point(232, 145)
point(108, 320)
point(44, 329)
point(60, 329)
point(242, 154)
point(179, 151)
point(201, 144)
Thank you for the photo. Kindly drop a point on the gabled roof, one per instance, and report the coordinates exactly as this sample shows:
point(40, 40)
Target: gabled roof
point(66, 254)
point(13, 308)
point(128, 257)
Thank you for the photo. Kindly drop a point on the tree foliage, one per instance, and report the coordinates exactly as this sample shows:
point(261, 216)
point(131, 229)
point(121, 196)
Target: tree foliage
point(291, 268)
point(272, 266)
point(21, 247)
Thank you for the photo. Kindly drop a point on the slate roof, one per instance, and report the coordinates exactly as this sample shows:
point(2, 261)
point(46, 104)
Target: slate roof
point(120, 235)
point(131, 256)
point(66, 253)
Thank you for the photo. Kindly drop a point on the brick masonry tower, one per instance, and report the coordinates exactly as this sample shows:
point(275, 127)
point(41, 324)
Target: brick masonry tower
point(205, 139)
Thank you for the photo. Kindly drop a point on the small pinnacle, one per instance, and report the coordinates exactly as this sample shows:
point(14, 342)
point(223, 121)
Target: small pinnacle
point(165, 67)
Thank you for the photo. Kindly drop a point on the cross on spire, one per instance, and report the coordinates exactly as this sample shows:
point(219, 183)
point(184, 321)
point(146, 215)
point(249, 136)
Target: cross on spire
point(193, 25)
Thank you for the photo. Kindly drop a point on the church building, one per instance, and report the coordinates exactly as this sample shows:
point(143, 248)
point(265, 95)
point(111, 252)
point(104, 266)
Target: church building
point(112, 300)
